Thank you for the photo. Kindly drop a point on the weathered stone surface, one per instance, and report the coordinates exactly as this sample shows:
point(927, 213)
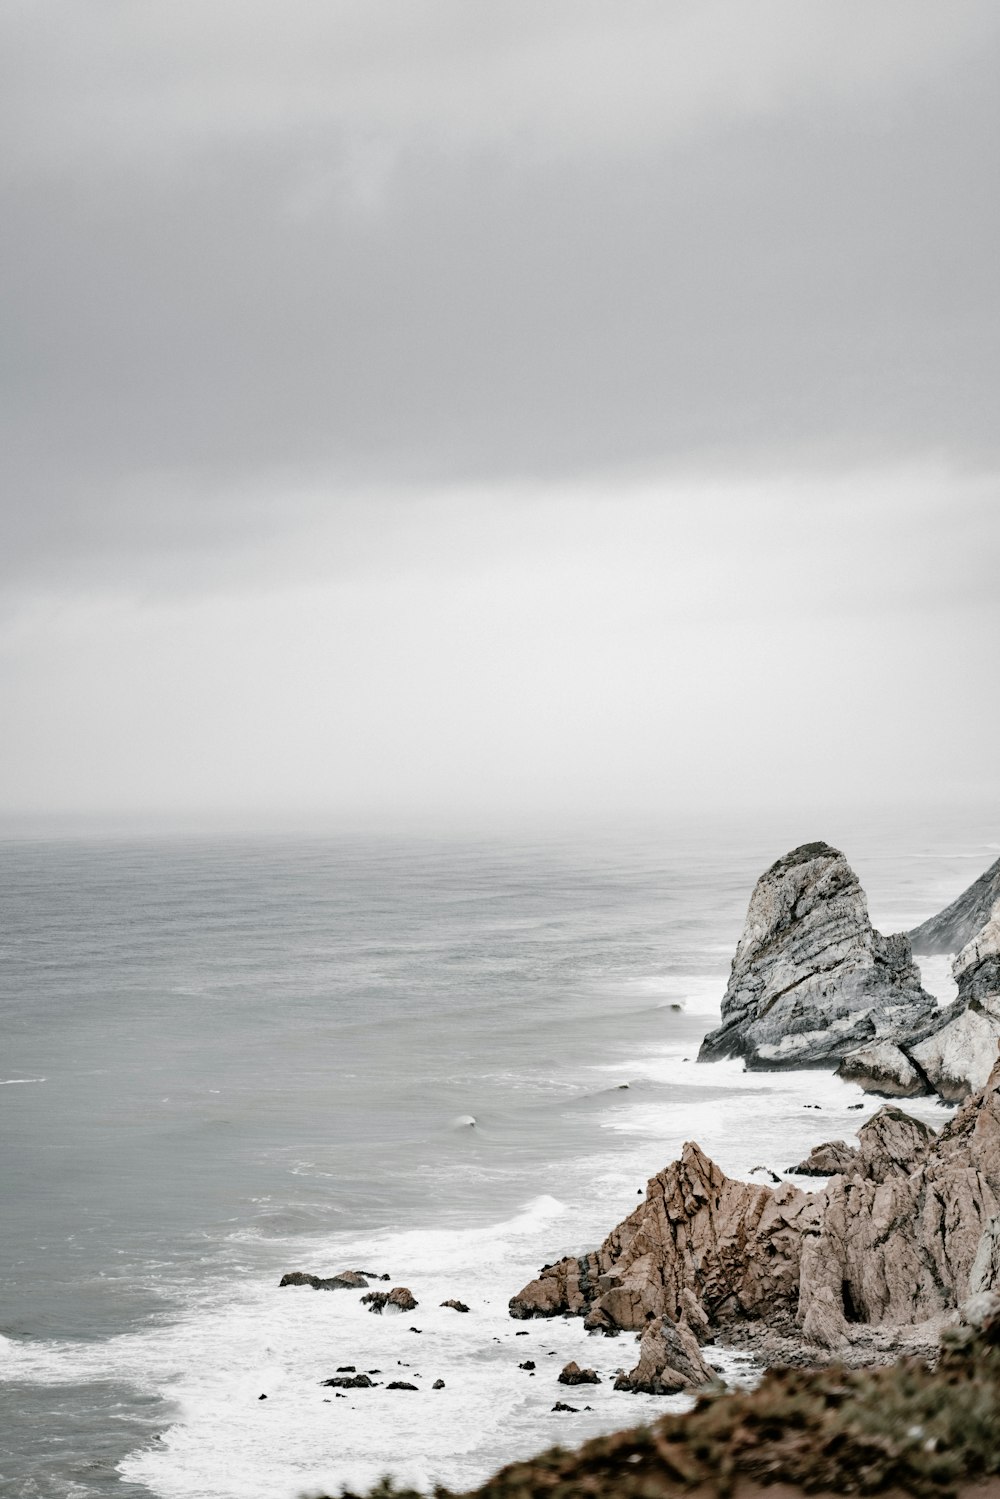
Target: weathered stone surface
point(901, 1235)
point(701, 1246)
point(977, 966)
point(952, 928)
point(883, 1067)
point(958, 1059)
point(830, 1159)
point(812, 979)
point(669, 1360)
point(573, 1374)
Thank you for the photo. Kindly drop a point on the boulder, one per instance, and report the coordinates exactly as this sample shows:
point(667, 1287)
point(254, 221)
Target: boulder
point(830, 1159)
point(812, 979)
point(573, 1374)
point(401, 1384)
point(952, 928)
point(883, 1067)
point(457, 1306)
point(669, 1360)
point(399, 1297)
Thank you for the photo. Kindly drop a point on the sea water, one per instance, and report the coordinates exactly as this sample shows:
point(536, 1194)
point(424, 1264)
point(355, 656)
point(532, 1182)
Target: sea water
point(444, 1060)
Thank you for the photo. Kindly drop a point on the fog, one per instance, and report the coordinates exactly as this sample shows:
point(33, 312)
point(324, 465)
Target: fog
point(480, 411)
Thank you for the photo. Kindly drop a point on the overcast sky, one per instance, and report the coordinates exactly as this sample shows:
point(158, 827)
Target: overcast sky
point(497, 407)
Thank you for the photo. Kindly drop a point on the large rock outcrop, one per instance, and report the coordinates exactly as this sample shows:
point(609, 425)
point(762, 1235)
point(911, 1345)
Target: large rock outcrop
point(894, 1239)
point(957, 924)
point(669, 1361)
point(812, 979)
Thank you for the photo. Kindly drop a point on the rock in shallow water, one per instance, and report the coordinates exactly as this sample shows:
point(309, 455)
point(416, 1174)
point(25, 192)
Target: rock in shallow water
point(669, 1361)
point(812, 979)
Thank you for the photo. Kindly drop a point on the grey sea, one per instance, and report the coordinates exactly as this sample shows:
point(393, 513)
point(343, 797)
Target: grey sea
point(444, 1060)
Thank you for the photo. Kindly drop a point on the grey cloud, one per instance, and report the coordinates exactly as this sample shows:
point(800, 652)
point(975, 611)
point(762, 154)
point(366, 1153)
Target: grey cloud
point(309, 250)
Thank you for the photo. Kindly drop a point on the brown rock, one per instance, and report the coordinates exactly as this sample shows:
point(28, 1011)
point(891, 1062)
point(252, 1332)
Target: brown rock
point(399, 1297)
point(457, 1306)
point(573, 1374)
point(669, 1360)
point(831, 1159)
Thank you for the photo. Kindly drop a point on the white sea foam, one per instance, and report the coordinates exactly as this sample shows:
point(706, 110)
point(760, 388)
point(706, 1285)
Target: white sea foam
point(7, 1081)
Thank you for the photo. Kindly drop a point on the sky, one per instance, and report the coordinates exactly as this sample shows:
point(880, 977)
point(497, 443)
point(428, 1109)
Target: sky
point(490, 409)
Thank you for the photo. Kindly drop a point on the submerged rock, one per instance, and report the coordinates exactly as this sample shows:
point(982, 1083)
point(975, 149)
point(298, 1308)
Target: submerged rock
point(957, 924)
point(812, 979)
point(346, 1280)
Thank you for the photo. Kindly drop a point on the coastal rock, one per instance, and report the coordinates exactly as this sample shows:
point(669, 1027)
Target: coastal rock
point(884, 1068)
point(977, 967)
point(957, 924)
point(701, 1246)
point(824, 1322)
point(349, 1382)
point(669, 1360)
point(346, 1280)
point(573, 1374)
point(830, 1159)
point(958, 1058)
point(401, 1384)
point(811, 978)
point(399, 1297)
point(457, 1306)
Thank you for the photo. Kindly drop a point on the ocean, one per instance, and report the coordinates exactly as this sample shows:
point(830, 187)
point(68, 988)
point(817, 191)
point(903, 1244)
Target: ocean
point(447, 1060)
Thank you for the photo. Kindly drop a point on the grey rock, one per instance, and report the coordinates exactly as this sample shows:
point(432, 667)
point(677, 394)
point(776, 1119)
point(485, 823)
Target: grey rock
point(952, 928)
point(958, 1058)
point(812, 979)
point(346, 1280)
point(883, 1067)
point(977, 966)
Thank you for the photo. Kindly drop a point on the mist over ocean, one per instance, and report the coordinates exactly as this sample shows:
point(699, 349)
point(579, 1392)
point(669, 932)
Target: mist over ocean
point(224, 1059)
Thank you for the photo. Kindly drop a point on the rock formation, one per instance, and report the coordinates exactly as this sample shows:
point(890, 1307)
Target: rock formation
point(399, 1297)
point(957, 924)
point(812, 979)
point(573, 1374)
point(899, 1237)
point(669, 1361)
point(347, 1280)
point(831, 1159)
point(977, 966)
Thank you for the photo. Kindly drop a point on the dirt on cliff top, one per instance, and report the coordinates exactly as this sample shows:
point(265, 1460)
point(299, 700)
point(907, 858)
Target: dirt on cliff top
point(901, 1429)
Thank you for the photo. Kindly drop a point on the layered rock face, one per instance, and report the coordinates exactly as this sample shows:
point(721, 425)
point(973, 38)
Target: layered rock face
point(908, 1228)
point(957, 924)
point(812, 979)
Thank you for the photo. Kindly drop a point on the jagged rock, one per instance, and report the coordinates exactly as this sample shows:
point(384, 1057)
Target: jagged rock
point(529, 1364)
point(399, 1297)
point(669, 1360)
point(985, 1273)
point(573, 1374)
point(349, 1382)
point(812, 979)
point(977, 967)
point(458, 1306)
point(701, 1246)
point(952, 928)
point(824, 1322)
point(438, 1384)
point(347, 1280)
point(883, 1068)
point(830, 1159)
point(560, 1406)
point(401, 1384)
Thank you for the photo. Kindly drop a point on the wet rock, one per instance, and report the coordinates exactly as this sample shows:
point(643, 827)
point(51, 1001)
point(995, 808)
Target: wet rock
point(399, 1297)
point(573, 1374)
point(826, 1160)
point(957, 924)
point(438, 1384)
point(669, 1360)
point(401, 1384)
point(812, 979)
point(458, 1306)
point(348, 1382)
point(529, 1363)
point(560, 1406)
point(346, 1280)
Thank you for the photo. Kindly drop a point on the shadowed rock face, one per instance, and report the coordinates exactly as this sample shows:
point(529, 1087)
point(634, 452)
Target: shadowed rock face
point(812, 979)
point(977, 966)
point(958, 923)
point(893, 1240)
